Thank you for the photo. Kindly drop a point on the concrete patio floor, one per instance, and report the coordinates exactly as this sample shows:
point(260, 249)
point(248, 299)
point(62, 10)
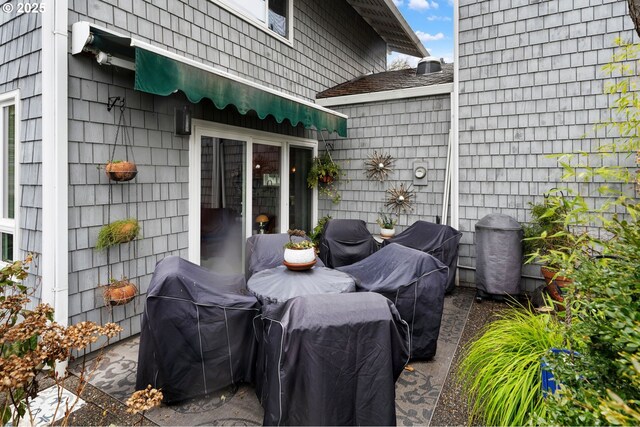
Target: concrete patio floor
point(417, 390)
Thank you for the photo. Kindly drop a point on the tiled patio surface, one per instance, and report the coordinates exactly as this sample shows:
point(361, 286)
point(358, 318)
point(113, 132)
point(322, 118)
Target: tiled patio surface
point(417, 391)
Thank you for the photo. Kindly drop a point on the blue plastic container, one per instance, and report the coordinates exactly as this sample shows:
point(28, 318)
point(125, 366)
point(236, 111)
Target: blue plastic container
point(549, 385)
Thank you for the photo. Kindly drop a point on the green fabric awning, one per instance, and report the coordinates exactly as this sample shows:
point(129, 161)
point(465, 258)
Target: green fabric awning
point(162, 75)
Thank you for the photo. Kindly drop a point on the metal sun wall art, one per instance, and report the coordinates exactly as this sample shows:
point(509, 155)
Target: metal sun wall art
point(400, 199)
point(379, 166)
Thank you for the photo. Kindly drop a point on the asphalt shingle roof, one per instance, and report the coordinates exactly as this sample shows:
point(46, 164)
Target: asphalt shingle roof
point(389, 80)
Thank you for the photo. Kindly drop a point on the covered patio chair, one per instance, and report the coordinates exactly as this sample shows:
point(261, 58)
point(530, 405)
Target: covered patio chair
point(345, 241)
point(331, 360)
point(415, 282)
point(264, 251)
point(438, 240)
point(197, 331)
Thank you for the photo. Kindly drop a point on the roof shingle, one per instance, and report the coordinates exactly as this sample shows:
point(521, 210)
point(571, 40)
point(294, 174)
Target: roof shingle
point(389, 80)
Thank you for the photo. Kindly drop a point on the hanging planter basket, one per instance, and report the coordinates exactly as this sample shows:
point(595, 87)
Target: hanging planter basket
point(117, 232)
point(121, 170)
point(120, 292)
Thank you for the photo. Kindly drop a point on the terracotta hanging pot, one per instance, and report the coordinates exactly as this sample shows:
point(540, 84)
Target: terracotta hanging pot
point(325, 179)
point(121, 170)
point(120, 292)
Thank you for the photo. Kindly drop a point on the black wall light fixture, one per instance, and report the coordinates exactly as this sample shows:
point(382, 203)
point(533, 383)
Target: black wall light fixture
point(183, 120)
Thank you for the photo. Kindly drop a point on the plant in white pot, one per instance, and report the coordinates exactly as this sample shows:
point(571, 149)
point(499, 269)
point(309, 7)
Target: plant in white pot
point(299, 255)
point(387, 225)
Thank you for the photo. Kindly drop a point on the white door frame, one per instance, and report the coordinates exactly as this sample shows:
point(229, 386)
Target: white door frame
point(217, 130)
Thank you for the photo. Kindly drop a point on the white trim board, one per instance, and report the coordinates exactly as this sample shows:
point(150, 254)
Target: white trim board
point(387, 95)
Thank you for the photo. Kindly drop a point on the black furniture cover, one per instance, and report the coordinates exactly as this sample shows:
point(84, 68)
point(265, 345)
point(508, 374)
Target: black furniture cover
point(266, 251)
point(332, 360)
point(197, 331)
point(345, 241)
point(438, 240)
point(415, 282)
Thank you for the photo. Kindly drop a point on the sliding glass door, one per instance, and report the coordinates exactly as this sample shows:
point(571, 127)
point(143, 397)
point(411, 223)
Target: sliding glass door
point(243, 183)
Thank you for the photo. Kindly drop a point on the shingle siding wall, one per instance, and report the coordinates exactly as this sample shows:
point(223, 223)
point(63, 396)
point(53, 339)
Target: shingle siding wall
point(332, 44)
point(20, 69)
point(531, 85)
point(410, 130)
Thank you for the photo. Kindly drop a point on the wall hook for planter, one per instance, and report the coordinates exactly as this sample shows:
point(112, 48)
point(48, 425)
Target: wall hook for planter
point(115, 99)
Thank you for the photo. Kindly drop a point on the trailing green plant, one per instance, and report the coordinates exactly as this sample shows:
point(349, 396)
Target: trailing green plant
point(121, 231)
point(324, 173)
point(31, 345)
point(500, 371)
point(301, 244)
point(316, 234)
point(386, 221)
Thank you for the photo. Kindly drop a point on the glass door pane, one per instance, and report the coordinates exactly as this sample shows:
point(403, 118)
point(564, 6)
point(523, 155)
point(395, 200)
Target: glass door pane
point(266, 188)
point(222, 214)
point(300, 195)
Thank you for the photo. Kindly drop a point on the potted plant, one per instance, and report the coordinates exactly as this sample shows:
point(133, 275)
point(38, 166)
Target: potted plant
point(546, 238)
point(387, 225)
point(323, 174)
point(121, 231)
point(121, 170)
point(119, 292)
point(300, 255)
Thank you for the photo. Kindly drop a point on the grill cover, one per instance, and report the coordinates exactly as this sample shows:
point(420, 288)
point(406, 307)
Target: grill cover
point(438, 240)
point(266, 251)
point(415, 282)
point(345, 241)
point(332, 360)
point(197, 331)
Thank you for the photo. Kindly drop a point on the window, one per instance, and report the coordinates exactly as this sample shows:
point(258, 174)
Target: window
point(271, 14)
point(8, 181)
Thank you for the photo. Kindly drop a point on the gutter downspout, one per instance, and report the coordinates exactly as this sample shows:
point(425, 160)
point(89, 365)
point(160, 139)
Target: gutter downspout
point(55, 163)
point(455, 151)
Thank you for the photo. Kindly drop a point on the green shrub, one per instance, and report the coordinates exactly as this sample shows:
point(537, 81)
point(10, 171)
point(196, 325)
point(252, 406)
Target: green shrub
point(500, 370)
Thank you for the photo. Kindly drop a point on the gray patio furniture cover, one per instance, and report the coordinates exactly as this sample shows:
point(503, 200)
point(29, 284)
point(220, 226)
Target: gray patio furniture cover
point(331, 360)
point(415, 282)
point(438, 240)
point(278, 285)
point(197, 331)
point(266, 251)
point(345, 241)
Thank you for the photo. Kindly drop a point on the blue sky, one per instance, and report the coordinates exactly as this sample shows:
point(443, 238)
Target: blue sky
point(432, 20)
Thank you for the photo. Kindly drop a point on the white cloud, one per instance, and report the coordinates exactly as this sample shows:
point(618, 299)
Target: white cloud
point(426, 37)
point(422, 4)
point(398, 3)
point(447, 55)
point(438, 18)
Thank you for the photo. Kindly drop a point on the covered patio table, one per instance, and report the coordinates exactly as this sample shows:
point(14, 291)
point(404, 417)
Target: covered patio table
point(279, 284)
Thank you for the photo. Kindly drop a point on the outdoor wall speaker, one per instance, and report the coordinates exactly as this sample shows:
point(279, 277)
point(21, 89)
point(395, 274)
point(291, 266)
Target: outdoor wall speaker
point(183, 120)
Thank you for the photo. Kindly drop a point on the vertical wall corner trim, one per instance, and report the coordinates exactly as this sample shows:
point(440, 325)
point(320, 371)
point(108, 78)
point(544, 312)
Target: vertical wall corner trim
point(55, 163)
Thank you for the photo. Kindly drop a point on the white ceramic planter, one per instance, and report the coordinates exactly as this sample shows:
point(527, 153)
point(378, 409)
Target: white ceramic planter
point(387, 232)
point(299, 256)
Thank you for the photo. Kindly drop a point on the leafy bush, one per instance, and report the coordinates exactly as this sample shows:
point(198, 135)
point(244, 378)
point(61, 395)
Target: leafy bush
point(501, 369)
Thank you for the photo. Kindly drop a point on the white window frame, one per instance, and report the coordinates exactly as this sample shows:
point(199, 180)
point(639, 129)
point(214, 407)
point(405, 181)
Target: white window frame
point(250, 137)
point(262, 26)
point(7, 225)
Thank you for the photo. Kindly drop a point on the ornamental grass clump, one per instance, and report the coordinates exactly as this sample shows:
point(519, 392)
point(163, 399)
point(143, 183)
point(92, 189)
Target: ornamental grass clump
point(121, 231)
point(500, 371)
